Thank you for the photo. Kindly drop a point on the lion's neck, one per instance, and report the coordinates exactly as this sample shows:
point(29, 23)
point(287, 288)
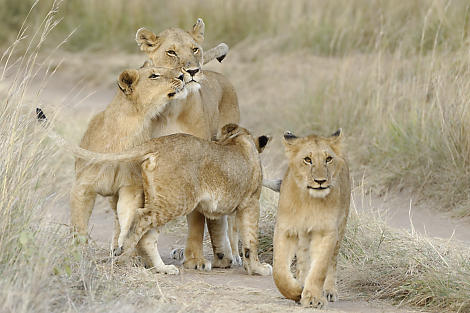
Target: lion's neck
point(126, 126)
point(182, 116)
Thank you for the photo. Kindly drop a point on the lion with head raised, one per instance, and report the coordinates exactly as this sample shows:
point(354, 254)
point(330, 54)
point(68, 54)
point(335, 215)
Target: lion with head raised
point(211, 103)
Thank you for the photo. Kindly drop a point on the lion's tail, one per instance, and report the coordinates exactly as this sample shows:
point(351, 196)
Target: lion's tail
point(288, 286)
point(135, 154)
point(219, 52)
point(273, 184)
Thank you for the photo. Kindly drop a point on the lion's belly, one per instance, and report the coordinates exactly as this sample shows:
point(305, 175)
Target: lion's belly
point(214, 207)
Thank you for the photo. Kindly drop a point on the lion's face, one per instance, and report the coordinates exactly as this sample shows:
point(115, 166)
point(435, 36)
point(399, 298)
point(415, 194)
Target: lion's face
point(315, 162)
point(151, 88)
point(176, 48)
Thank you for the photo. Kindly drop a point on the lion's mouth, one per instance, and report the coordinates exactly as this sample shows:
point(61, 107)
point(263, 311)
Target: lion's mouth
point(318, 188)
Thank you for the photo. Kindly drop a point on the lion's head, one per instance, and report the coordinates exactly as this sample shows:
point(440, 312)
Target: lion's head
point(315, 162)
point(176, 48)
point(149, 89)
point(230, 133)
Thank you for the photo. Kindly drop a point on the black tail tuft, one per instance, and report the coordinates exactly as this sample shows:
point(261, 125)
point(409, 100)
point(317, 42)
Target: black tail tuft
point(221, 58)
point(40, 115)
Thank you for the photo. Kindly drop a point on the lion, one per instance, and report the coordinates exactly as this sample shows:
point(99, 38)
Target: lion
point(182, 173)
point(211, 103)
point(126, 122)
point(311, 218)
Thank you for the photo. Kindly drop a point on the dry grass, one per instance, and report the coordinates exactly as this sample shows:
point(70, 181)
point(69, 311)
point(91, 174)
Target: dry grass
point(396, 79)
point(327, 27)
point(378, 262)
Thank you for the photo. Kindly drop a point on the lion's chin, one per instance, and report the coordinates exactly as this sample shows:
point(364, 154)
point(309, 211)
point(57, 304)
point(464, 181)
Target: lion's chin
point(182, 94)
point(319, 193)
point(192, 87)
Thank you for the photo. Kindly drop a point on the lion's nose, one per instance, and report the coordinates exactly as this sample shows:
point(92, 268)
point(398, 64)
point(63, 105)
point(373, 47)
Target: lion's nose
point(192, 72)
point(320, 181)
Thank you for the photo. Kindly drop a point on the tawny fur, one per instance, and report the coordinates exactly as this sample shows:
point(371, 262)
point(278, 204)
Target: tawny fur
point(183, 173)
point(311, 218)
point(211, 104)
point(127, 121)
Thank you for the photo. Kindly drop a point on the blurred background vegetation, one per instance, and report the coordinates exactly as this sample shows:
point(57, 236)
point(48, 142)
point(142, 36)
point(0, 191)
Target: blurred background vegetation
point(323, 27)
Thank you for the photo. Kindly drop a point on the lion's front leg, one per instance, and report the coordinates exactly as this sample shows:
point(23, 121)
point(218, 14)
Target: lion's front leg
point(82, 201)
point(321, 250)
point(117, 228)
point(303, 258)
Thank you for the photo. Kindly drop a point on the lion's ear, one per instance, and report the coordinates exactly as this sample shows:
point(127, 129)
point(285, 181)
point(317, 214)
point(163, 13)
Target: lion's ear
point(289, 138)
point(147, 64)
point(127, 81)
point(262, 142)
point(229, 128)
point(198, 31)
point(290, 143)
point(146, 40)
point(336, 141)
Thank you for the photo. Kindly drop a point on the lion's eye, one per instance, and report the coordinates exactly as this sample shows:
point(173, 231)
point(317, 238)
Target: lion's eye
point(154, 76)
point(171, 53)
point(307, 160)
point(195, 50)
point(329, 159)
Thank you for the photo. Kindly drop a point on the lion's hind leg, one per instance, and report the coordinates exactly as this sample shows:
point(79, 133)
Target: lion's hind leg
point(220, 243)
point(232, 232)
point(130, 199)
point(193, 253)
point(148, 244)
point(247, 220)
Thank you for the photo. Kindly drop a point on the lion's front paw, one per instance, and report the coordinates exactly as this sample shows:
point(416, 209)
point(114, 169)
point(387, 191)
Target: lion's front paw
point(237, 260)
point(167, 269)
point(331, 294)
point(117, 251)
point(313, 299)
point(221, 261)
point(262, 269)
point(177, 254)
point(197, 264)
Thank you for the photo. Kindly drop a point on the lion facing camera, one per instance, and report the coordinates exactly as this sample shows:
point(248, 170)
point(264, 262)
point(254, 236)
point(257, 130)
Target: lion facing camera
point(311, 218)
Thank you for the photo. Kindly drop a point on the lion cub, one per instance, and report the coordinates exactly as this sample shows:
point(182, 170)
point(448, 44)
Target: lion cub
point(182, 173)
point(126, 122)
point(311, 219)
